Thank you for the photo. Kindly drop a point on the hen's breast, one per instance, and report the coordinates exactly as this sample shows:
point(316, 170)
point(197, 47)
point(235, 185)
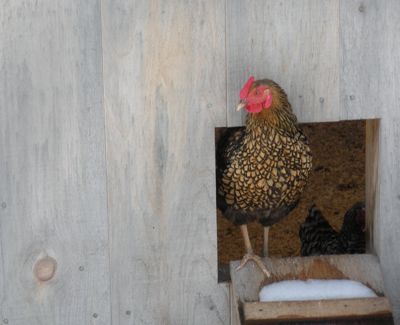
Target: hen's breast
point(267, 171)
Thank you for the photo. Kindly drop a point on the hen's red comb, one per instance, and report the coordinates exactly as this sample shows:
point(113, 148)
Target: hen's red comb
point(245, 90)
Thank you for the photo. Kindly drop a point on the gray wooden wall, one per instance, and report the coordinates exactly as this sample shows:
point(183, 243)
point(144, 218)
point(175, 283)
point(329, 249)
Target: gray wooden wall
point(107, 117)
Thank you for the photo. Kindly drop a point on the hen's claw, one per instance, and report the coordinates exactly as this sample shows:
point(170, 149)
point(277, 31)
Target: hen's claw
point(256, 259)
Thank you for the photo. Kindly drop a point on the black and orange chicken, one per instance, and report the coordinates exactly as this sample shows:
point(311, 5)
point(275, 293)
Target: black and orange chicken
point(263, 168)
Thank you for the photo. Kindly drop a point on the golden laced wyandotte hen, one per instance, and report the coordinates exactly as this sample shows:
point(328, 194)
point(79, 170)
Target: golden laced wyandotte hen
point(319, 238)
point(263, 168)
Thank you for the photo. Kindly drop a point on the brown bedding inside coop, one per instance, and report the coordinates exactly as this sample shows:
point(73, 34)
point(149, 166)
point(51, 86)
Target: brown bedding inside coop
point(337, 182)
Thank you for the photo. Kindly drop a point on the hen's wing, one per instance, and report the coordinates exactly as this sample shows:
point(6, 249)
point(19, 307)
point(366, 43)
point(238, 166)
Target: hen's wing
point(229, 141)
point(317, 236)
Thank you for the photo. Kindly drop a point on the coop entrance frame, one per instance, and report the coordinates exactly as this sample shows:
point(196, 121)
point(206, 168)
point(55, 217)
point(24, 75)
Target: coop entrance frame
point(372, 127)
point(371, 143)
point(249, 311)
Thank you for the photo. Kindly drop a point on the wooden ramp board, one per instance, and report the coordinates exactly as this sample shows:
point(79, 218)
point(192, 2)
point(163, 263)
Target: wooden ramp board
point(375, 309)
point(364, 268)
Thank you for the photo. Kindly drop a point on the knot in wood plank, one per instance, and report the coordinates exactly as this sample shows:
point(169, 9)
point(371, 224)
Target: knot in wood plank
point(45, 268)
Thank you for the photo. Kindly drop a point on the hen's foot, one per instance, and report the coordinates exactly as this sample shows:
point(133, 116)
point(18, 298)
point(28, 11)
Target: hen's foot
point(256, 259)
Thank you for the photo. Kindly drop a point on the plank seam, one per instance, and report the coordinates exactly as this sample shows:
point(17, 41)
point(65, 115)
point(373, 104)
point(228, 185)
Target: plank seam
point(106, 164)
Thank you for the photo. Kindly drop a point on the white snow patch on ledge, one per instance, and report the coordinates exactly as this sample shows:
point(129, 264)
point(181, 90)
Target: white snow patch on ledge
point(297, 290)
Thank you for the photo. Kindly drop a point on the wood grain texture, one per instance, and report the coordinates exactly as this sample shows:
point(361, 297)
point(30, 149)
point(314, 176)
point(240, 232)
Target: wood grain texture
point(235, 317)
point(369, 58)
point(164, 73)
point(333, 310)
point(370, 61)
point(370, 72)
point(52, 164)
point(293, 42)
point(387, 222)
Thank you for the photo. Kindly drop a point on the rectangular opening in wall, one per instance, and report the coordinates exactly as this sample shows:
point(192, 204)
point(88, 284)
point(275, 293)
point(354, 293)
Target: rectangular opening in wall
point(344, 173)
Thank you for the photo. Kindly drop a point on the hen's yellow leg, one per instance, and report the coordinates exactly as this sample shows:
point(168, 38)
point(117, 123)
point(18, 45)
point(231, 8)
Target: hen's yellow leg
point(250, 254)
point(266, 231)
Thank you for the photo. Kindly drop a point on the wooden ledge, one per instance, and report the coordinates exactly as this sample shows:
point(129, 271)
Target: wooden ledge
point(343, 309)
point(364, 268)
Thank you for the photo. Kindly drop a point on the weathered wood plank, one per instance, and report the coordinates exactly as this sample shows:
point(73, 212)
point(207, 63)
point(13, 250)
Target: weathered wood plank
point(341, 309)
point(370, 73)
point(295, 43)
point(52, 163)
point(235, 317)
point(164, 72)
point(370, 63)
point(369, 58)
point(387, 222)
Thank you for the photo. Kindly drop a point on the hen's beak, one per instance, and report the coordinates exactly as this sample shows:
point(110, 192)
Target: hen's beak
point(242, 104)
